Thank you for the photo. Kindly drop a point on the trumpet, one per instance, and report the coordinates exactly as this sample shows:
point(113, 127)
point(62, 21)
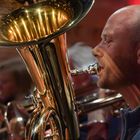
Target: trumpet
point(38, 33)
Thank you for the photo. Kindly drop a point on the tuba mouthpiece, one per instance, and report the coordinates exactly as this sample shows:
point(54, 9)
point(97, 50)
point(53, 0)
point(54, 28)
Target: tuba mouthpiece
point(91, 69)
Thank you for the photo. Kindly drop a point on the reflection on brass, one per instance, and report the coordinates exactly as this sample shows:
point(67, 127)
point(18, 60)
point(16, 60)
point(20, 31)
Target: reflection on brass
point(41, 21)
point(37, 31)
point(35, 24)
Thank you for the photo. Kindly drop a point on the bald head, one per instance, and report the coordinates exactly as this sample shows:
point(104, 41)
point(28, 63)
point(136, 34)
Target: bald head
point(129, 18)
point(133, 9)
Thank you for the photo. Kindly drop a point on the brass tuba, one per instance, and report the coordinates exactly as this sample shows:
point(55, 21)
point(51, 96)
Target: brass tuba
point(38, 33)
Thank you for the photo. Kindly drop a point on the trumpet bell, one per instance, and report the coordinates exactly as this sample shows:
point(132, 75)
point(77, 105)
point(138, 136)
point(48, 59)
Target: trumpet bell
point(41, 21)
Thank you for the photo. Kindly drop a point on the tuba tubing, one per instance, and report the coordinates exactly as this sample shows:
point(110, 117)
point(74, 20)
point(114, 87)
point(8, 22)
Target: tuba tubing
point(38, 33)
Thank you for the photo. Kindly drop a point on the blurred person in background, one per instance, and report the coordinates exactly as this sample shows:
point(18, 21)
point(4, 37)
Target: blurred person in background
point(15, 81)
point(15, 84)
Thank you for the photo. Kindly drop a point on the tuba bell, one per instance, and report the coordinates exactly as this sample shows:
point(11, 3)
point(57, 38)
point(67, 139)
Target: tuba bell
point(37, 31)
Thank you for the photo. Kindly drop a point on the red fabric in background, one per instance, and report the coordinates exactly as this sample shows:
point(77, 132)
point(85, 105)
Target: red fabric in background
point(133, 2)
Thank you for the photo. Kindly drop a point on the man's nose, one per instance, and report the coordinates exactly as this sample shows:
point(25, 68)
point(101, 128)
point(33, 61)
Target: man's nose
point(97, 52)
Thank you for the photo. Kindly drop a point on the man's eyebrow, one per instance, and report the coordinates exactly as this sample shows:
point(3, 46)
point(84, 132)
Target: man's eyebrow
point(103, 35)
point(106, 36)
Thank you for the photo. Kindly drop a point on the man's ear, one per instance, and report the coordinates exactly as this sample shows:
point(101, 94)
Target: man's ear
point(138, 55)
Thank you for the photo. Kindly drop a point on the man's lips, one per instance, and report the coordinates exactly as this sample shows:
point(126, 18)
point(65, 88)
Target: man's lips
point(100, 68)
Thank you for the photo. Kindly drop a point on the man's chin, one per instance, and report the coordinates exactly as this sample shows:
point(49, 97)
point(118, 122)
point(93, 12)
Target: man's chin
point(101, 84)
point(104, 85)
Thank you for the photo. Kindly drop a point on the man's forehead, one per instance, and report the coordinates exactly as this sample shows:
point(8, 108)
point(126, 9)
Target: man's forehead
point(117, 23)
point(125, 17)
point(107, 31)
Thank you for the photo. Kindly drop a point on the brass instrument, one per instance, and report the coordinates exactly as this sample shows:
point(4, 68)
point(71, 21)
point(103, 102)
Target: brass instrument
point(87, 106)
point(38, 33)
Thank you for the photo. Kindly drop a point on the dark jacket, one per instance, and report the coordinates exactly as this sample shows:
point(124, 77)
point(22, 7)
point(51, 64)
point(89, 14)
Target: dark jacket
point(130, 124)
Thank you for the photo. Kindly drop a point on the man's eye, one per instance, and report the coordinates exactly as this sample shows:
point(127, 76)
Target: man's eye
point(108, 41)
point(105, 41)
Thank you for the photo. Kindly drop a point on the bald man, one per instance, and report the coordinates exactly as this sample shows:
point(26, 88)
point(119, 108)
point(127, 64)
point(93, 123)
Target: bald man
point(118, 55)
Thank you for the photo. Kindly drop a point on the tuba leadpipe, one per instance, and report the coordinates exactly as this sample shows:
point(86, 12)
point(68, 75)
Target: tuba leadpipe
point(38, 33)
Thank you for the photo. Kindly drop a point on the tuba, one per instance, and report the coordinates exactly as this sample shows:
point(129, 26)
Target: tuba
point(37, 31)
